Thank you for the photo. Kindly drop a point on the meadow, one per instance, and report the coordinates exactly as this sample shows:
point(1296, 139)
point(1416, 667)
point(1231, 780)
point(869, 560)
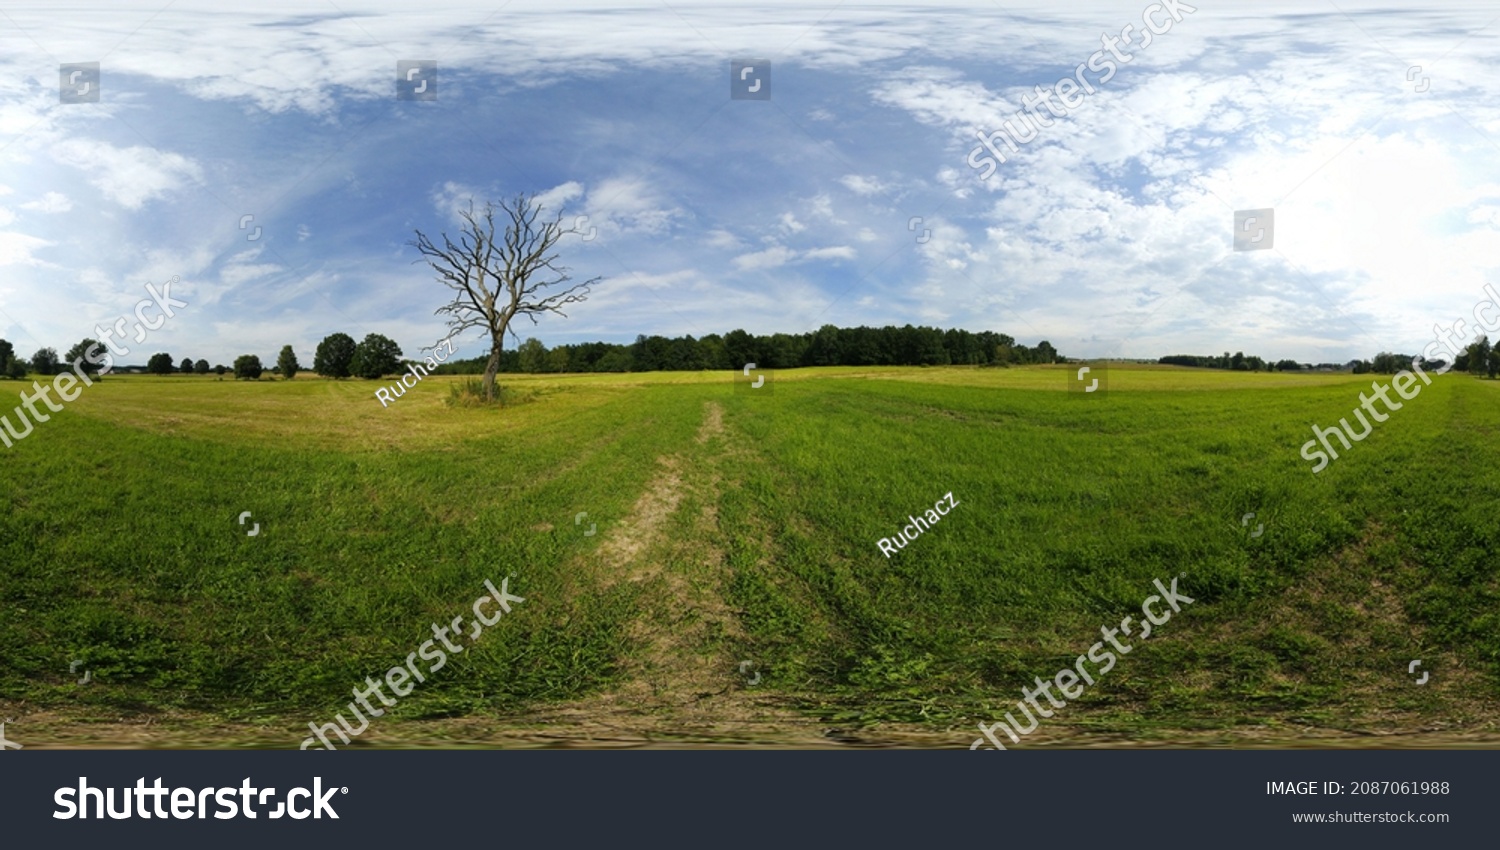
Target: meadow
point(735, 532)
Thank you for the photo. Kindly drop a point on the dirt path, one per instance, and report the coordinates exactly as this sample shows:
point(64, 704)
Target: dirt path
point(684, 684)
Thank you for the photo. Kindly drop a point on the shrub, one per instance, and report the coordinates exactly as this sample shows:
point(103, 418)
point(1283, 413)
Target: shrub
point(247, 367)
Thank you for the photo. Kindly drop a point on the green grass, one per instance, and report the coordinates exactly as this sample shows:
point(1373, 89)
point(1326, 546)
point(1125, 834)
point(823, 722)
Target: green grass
point(120, 546)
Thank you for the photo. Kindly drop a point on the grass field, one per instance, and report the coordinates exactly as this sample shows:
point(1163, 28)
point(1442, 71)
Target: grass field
point(740, 526)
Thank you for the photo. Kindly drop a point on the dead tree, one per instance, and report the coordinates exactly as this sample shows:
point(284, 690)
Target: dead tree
point(495, 280)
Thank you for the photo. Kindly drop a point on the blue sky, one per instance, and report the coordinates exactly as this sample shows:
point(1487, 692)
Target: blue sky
point(1109, 234)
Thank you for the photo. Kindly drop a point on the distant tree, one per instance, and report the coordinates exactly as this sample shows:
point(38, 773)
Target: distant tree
point(159, 364)
point(1479, 356)
point(1494, 361)
point(616, 360)
point(1237, 362)
point(651, 353)
point(375, 355)
point(201, 367)
point(687, 354)
point(1387, 363)
point(929, 350)
point(79, 354)
point(186, 366)
point(220, 370)
point(334, 356)
point(533, 355)
point(7, 353)
point(710, 348)
point(1287, 366)
point(247, 367)
point(824, 348)
point(16, 369)
point(1003, 352)
point(557, 360)
point(962, 347)
point(1045, 352)
point(44, 362)
point(742, 349)
point(286, 363)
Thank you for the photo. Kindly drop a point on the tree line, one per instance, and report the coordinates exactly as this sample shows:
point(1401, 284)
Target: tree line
point(1478, 358)
point(339, 356)
point(1239, 362)
point(828, 346)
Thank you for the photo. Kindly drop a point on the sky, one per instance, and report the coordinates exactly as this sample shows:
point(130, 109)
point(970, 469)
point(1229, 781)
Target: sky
point(851, 196)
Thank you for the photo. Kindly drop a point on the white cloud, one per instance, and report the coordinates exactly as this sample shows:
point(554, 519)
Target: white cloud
point(770, 258)
point(52, 202)
point(861, 185)
point(451, 197)
point(557, 197)
point(630, 205)
point(779, 255)
point(722, 239)
point(18, 249)
point(838, 252)
point(128, 176)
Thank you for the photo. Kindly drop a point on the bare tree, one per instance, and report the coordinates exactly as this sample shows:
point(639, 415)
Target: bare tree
point(495, 280)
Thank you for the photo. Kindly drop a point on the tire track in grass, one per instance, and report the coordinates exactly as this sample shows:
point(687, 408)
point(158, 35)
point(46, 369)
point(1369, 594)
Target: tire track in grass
point(681, 682)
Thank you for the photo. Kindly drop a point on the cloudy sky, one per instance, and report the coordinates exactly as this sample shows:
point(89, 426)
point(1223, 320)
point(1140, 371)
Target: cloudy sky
point(848, 197)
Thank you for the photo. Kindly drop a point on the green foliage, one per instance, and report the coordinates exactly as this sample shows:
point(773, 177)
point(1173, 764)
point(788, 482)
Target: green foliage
point(1479, 356)
point(286, 363)
point(201, 367)
point(159, 364)
point(828, 346)
point(334, 356)
point(533, 355)
point(45, 362)
point(376, 355)
point(247, 368)
point(186, 366)
point(79, 354)
point(16, 369)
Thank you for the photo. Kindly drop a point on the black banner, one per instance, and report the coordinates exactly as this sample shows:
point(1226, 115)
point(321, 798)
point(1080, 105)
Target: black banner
point(1109, 798)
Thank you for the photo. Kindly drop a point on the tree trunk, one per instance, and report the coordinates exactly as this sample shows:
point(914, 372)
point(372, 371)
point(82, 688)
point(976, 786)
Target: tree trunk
point(489, 372)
